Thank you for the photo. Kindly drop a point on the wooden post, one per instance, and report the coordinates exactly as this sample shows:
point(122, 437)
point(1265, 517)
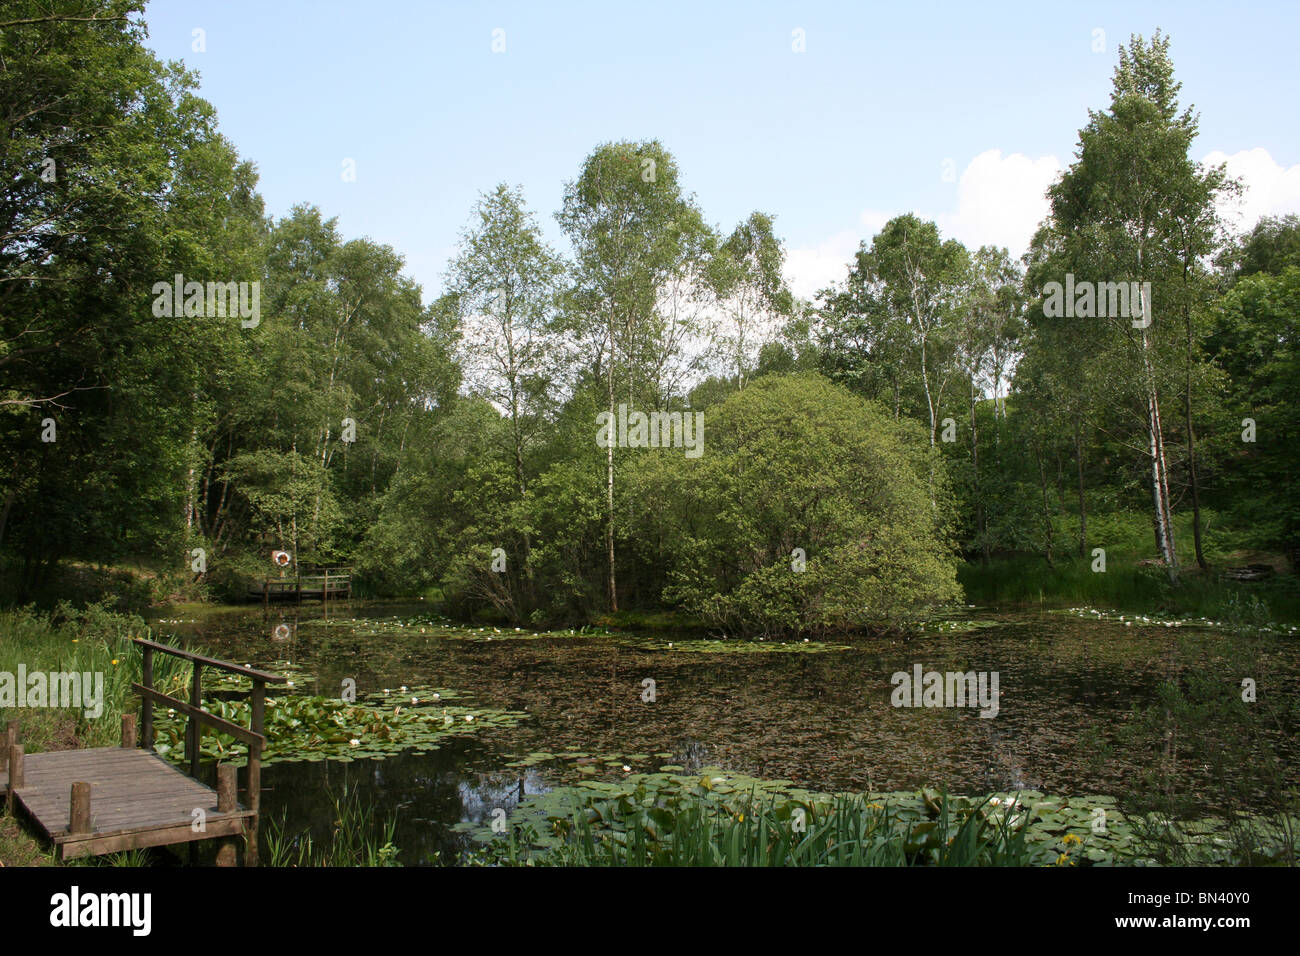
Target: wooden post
point(226, 803)
point(79, 809)
point(11, 738)
point(146, 705)
point(15, 773)
point(195, 729)
point(325, 588)
point(258, 706)
point(128, 731)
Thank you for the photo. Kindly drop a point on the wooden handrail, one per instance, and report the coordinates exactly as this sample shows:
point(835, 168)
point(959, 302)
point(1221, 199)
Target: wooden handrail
point(203, 716)
point(198, 717)
point(211, 661)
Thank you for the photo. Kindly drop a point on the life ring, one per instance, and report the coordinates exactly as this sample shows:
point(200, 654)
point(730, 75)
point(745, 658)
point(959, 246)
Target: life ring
point(281, 558)
point(281, 633)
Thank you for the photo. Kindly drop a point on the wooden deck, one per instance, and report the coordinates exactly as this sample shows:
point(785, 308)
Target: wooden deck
point(107, 799)
point(334, 584)
point(139, 800)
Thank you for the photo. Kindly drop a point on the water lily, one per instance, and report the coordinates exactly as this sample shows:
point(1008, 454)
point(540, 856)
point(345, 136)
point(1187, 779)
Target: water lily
point(354, 742)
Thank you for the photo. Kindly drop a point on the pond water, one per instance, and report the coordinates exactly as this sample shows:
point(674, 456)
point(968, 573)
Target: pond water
point(822, 720)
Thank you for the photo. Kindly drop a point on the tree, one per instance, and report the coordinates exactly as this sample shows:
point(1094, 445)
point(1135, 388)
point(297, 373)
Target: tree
point(1134, 207)
point(752, 293)
point(503, 287)
point(640, 247)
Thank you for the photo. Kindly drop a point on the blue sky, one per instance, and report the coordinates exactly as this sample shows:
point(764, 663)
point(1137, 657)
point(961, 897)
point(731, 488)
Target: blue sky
point(960, 112)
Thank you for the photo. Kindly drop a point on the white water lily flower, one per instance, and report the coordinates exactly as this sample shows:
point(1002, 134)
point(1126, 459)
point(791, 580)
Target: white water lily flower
point(437, 696)
point(354, 742)
point(415, 700)
point(626, 768)
point(402, 688)
point(469, 717)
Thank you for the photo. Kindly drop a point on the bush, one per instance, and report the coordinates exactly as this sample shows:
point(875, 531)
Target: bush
point(796, 462)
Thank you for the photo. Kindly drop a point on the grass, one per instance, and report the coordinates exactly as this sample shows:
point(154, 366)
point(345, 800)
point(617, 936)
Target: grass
point(91, 640)
point(850, 831)
point(1124, 586)
point(354, 838)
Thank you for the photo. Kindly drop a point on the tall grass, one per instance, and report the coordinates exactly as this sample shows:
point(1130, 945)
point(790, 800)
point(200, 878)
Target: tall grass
point(88, 640)
point(850, 831)
point(355, 838)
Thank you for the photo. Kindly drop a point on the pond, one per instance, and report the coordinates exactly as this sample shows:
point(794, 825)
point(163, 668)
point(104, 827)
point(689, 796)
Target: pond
point(818, 715)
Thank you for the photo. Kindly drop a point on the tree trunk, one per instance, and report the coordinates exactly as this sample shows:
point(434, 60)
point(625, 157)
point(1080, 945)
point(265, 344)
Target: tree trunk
point(980, 523)
point(1047, 514)
point(609, 480)
point(1083, 504)
point(1191, 444)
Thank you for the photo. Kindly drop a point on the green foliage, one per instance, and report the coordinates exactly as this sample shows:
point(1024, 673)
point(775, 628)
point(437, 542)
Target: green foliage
point(796, 462)
point(667, 819)
point(91, 640)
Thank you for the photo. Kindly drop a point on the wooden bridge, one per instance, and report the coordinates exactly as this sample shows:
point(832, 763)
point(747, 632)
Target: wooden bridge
point(331, 584)
point(107, 799)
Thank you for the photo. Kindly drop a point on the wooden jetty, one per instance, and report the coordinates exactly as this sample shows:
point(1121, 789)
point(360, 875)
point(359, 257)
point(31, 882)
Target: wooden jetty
point(330, 584)
point(108, 799)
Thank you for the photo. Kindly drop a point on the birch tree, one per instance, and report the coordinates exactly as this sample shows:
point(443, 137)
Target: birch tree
point(638, 242)
point(1124, 209)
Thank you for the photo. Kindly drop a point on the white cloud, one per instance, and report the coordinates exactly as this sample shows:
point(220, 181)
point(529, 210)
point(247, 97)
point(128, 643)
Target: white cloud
point(1000, 200)
point(808, 270)
point(1271, 189)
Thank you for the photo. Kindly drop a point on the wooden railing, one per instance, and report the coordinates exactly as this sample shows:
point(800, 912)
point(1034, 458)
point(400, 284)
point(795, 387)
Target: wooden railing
point(329, 582)
point(253, 735)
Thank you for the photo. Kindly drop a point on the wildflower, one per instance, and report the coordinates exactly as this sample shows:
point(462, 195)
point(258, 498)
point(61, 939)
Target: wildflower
point(115, 662)
point(1070, 838)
